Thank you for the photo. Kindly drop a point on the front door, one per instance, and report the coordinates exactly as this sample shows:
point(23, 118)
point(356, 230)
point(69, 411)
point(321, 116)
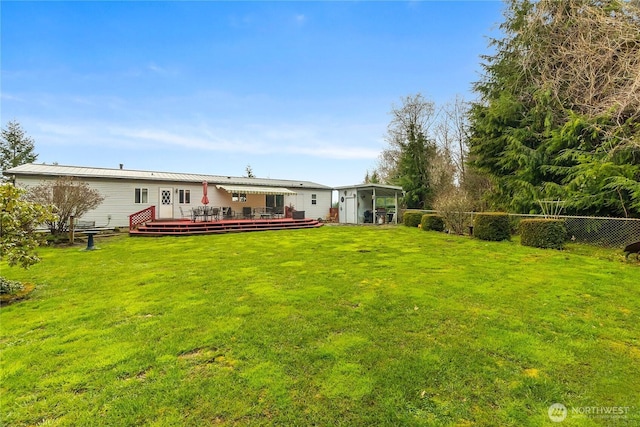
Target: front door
point(350, 210)
point(165, 210)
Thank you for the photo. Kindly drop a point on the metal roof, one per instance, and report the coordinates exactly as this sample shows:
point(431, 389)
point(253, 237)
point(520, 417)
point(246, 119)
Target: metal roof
point(33, 169)
point(370, 185)
point(382, 190)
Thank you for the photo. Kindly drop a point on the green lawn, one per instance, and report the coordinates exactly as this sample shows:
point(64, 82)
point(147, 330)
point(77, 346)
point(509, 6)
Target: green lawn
point(331, 326)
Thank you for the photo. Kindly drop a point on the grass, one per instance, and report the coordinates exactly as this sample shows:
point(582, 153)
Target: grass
point(331, 326)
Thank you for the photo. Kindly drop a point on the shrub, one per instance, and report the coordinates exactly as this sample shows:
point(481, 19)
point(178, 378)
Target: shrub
point(432, 222)
point(454, 206)
point(412, 219)
point(18, 223)
point(543, 233)
point(9, 286)
point(493, 226)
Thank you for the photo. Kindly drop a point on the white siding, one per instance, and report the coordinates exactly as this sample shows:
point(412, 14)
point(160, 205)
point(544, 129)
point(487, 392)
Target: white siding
point(303, 201)
point(119, 199)
point(347, 204)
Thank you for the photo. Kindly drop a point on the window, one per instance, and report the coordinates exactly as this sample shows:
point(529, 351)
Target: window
point(184, 196)
point(314, 200)
point(142, 195)
point(275, 200)
point(238, 197)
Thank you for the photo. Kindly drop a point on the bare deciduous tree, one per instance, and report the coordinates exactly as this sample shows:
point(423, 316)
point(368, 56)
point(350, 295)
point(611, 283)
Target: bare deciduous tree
point(452, 134)
point(587, 55)
point(69, 196)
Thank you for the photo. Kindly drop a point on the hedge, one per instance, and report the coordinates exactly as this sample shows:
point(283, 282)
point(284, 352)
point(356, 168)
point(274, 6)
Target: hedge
point(432, 222)
point(492, 226)
point(543, 233)
point(412, 219)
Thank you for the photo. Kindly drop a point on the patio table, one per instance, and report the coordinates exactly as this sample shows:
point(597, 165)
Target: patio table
point(206, 213)
point(263, 212)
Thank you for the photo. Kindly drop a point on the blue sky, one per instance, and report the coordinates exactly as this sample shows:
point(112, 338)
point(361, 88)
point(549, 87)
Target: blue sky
point(297, 90)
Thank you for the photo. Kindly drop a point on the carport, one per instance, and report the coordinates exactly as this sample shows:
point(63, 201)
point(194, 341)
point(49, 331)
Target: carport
point(368, 203)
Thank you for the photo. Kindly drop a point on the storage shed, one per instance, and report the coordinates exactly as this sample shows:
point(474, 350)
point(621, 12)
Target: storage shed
point(368, 203)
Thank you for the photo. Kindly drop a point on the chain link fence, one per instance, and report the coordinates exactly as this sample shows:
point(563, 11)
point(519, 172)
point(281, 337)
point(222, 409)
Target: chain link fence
point(598, 231)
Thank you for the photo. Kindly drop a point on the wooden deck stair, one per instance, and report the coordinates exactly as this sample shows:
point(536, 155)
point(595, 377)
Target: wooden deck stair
point(186, 227)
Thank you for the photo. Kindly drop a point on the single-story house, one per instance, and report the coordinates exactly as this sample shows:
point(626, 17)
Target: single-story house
point(127, 191)
point(368, 203)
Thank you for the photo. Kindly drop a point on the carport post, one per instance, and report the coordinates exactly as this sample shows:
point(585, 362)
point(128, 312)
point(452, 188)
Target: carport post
point(355, 204)
point(373, 207)
point(395, 194)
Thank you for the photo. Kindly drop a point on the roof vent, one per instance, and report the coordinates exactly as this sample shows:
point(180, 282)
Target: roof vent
point(121, 166)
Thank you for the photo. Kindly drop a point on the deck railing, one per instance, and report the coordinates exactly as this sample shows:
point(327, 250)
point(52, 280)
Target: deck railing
point(145, 215)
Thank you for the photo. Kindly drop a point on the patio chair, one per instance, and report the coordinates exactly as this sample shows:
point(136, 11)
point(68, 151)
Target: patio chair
point(368, 216)
point(227, 213)
point(247, 213)
point(278, 211)
point(184, 215)
point(196, 212)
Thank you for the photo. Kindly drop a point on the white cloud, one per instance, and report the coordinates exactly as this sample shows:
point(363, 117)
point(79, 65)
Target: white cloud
point(336, 152)
point(155, 68)
point(162, 70)
point(247, 125)
point(253, 139)
point(300, 19)
point(8, 97)
point(242, 22)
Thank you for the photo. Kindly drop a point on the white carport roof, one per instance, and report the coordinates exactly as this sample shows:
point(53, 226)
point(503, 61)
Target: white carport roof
point(247, 189)
point(381, 190)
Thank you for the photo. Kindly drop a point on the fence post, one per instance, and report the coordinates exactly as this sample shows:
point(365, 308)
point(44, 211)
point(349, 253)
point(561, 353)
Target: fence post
point(71, 229)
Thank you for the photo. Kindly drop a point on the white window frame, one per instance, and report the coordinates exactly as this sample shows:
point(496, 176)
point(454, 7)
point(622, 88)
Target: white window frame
point(184, 197)
point(141, 196)
point(239, 197)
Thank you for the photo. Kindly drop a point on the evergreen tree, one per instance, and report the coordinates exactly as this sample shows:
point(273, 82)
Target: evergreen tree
point(559, 109)
point(407, 160)
point(413, 169)
point(16, 148)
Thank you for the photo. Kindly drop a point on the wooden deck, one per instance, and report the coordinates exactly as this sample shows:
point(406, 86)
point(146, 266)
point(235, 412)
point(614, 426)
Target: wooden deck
point(187, 227)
